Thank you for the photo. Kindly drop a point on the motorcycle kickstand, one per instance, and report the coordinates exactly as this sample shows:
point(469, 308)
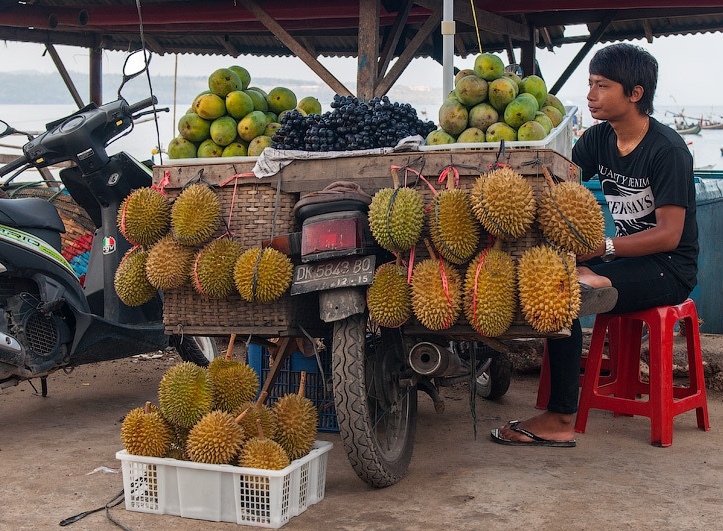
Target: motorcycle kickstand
point(429, 388)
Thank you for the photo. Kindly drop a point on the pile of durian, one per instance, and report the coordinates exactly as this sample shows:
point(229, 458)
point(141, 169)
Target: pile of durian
point(467, 269)
point(173, 245)
point(210, 415)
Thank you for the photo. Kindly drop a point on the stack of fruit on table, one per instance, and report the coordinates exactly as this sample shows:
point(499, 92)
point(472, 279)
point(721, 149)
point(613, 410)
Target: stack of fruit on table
point(352, 124)
point(489, 104)
point(233, 119)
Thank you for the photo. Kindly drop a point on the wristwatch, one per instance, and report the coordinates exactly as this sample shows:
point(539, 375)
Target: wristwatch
point(609, 254)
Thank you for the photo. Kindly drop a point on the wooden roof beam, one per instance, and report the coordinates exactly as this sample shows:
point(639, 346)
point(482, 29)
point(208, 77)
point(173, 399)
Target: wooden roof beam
point(410, 50)
point(368, 49)
point(229, 46)
point(391, 41)
point(594, 38)
point(486, 21)
point(296, 47)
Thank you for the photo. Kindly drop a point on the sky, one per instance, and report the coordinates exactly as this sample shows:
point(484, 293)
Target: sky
point(689, 72)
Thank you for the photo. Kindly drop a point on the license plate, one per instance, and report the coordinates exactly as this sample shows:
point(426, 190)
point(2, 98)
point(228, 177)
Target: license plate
point(331, 274)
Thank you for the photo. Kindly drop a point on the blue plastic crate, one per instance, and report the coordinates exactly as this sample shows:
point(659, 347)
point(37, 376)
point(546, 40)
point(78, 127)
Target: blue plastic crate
point(318, 387)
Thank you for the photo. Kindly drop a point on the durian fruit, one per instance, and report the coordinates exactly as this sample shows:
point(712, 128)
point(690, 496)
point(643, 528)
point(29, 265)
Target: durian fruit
point(195, 214)
point(144, 431)
point(232, 382)
point(454, 230)
point(185, 394)
point(504, 203)
point(570, 216)
point(548, 288)
point(216, 439)
point(436, 293)
point(212, 272)
point(257, 411)
point(144, 216)
point(296, 422)
point(262, 275)
point(169, 263)
point(396, 217)
point(130, 280)
point(389, 298)
point(490, 291)
point(264, 453)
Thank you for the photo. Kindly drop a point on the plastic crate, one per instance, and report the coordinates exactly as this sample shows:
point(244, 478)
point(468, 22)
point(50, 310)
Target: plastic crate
point(318, 387)
point(224, 493)
point(559, 140)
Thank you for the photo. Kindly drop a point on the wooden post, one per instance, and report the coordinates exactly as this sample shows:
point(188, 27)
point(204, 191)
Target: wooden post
point(368, 49)
point(96, 76)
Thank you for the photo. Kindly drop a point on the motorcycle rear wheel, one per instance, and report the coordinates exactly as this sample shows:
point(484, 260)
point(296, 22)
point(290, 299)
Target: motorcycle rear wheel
point(200, 350)
point(376, 411)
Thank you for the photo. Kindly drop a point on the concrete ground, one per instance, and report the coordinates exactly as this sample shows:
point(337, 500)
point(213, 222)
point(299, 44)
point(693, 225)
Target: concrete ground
point(58, 459)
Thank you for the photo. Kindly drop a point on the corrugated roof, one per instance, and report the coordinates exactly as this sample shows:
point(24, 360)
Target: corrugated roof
point(329, 28)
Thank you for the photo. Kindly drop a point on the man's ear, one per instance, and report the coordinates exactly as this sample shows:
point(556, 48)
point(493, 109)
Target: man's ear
point(637, 94)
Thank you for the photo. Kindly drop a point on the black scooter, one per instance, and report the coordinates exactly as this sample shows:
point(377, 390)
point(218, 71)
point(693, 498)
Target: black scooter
point(48, 321)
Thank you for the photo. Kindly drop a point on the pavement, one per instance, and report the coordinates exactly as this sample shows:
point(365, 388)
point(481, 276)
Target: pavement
point(58, 459)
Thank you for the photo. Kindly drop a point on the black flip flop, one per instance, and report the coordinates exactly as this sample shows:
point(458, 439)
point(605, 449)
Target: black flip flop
point(536, 439)
point(596, 300)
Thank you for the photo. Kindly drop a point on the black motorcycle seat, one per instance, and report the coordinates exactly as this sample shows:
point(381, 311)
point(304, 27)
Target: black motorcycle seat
point(30, 213)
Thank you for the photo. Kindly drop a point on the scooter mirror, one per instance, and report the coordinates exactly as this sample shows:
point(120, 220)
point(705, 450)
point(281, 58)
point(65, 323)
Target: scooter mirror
point(135, 64)
point(5, 129)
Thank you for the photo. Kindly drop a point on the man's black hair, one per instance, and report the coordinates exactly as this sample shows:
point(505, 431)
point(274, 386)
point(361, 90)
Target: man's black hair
point(628, 65)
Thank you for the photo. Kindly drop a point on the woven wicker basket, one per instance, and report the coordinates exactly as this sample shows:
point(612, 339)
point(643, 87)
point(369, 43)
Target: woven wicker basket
point(252, 212)
point(79, 228)
point(532, 171)
point(259, 206)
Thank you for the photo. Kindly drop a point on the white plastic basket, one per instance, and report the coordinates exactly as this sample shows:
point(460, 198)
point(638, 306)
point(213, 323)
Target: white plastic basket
point(224, 493)
point(559, 140)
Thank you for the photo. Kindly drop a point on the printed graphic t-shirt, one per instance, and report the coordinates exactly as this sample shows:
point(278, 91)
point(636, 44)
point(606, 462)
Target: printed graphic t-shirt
point(658, 172)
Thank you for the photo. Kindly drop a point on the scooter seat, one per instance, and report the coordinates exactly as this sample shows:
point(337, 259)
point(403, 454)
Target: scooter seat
point(30, 213)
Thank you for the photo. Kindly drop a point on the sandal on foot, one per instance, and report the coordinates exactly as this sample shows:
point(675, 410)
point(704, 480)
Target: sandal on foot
point(596, 300)
point(514, 425)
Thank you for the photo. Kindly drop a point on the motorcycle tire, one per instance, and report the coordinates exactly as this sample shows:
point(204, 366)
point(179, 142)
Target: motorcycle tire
point(376, 411)
point(200, 350)
point(494, 382)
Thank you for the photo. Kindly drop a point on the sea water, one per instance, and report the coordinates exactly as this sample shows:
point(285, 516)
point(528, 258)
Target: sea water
point(143, 139)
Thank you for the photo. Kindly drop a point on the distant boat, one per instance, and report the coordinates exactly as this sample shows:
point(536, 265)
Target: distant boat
point(682, 126)
point(710, 124)
point(685, 129)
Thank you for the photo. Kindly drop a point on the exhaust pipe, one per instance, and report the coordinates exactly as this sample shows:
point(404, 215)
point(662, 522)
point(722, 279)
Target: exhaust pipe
point(429, 359)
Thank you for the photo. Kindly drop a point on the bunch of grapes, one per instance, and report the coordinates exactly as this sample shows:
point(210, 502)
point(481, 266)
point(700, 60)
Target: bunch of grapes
point(351, 125)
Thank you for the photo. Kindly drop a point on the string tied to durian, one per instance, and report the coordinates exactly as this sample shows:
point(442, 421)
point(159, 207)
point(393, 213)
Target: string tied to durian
point(196, 212)
point(570, 216)
point(549, 291)
point(396, 214)
point(389, 298)
point(490, 285)
point(436, 294)
point(503, 202)
point(453, 226)
point(213, 266)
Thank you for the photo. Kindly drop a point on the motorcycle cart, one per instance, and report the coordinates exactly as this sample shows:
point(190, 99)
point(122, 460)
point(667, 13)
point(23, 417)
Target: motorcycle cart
point(374, 386)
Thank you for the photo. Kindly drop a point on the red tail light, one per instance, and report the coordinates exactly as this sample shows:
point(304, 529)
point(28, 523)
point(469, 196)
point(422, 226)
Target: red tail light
point(329, 235)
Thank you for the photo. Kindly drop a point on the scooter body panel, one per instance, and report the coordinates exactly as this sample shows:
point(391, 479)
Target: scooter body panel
point(23, 255)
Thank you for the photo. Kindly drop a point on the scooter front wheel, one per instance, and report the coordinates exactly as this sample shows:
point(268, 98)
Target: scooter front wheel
point(200, 350)
point(376, 406)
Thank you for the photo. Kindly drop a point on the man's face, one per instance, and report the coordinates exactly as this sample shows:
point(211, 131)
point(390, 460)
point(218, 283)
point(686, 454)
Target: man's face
point(606, 99)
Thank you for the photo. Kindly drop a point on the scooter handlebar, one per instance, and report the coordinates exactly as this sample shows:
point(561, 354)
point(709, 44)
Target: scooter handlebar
point(13, 165)
point(148, 102)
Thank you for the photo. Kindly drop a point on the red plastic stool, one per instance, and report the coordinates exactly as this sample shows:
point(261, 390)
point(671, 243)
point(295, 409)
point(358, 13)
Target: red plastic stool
point(543, 386)
point(665, 400)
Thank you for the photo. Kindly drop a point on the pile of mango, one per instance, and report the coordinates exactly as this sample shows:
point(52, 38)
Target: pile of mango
point(489, 104)
point(233, 119)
